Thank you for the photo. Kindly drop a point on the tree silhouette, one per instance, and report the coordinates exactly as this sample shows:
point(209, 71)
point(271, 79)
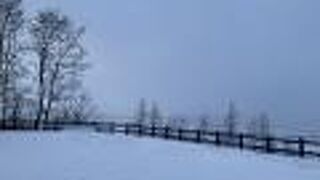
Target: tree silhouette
point(57, 45)
point(11, 70)
point(142, 112)
point(204, 122)
point(155, 116)
point(260, 125)
point(230, 119)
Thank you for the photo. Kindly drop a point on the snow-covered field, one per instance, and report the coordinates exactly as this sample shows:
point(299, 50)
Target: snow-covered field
point(76, 155)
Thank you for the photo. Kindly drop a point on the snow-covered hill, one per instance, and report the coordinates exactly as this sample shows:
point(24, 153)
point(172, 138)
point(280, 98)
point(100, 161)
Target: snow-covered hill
point(91, 156)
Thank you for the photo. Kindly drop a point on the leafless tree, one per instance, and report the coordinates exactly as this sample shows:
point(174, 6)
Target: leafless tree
point(59, 63)
point(260, 125)
point(264, 125)
point(11, 70)
point(142, 112)
point(176, 122)
point(172, 122)
point(155, 116)
point(230, 121)
point(204, 122)
point(79, 108)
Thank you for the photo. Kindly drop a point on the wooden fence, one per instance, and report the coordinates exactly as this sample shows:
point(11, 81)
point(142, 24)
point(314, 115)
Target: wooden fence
point(300, 147)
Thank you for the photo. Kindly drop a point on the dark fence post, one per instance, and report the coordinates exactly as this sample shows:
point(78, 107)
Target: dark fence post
point(241, 141)
point(179, 134)
point(153, 130)
point(301, 147)
point(166, 132)
point(198, 136)
point(126, 128)
point(217, 134)
point(36, 125)
point(140, 129)
point(112, 127)
point(14, 124)
point(268, 144)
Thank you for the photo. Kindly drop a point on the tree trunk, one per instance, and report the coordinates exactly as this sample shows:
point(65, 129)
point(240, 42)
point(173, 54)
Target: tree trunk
point(2, 73)
point(43, 58)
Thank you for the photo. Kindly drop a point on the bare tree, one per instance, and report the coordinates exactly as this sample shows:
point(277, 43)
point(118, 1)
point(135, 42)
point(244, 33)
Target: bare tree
point(204, 122)
point(260, 125)
point(172, 122)
point(11, 70)
point(177, 122)
point(230, 122)
point(59, 64)
point(264, 125)
point(79, 108)
point(155, 116)
point(142, 112)
point(251, 126)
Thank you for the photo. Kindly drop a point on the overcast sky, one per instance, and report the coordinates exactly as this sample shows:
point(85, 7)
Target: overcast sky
point(193, 56)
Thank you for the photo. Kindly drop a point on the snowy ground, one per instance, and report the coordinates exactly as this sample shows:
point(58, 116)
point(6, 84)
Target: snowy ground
point(90, 156)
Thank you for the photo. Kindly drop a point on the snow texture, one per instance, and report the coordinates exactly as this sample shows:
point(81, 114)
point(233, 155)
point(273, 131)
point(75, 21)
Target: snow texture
point(79, 155)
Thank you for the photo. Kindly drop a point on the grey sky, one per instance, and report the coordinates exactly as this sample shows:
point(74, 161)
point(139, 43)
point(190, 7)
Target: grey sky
point(193, 56)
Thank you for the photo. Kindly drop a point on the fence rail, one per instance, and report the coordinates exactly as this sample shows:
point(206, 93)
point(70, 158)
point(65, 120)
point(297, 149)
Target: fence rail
point(300, 147)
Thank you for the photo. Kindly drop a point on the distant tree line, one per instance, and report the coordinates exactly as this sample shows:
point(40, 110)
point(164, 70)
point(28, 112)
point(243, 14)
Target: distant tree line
point(259, 125)
point(41, 66)
point(148, 116)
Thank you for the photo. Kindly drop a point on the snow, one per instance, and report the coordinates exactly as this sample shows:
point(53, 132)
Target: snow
point(84, 155)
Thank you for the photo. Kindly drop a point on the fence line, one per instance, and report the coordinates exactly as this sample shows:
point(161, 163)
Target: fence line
point(300, 147)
